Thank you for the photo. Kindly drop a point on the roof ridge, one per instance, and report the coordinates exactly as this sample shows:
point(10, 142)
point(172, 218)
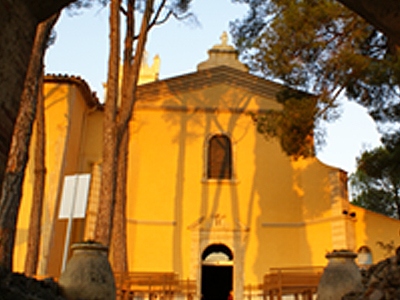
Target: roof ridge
point(208, 77)
point(91, 97)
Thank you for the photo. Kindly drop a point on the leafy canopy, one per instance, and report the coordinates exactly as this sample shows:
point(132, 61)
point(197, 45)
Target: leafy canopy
point(320, 47)
point(376, 183)
point(294, 124)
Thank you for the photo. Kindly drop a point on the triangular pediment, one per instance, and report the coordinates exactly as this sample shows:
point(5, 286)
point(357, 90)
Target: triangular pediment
point(226, 85)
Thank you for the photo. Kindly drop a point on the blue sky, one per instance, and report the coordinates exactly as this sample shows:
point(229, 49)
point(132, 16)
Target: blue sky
point(81, 49)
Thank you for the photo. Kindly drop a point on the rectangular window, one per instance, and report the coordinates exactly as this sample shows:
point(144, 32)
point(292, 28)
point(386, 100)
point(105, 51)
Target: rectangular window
point(219, 158)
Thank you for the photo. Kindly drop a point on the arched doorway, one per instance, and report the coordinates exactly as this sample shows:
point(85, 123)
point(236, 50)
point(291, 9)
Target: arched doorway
point(216, 272)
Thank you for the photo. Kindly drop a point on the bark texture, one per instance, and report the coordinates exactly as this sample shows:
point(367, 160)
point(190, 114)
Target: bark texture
point(32, 253)
point(108, 177)
point(120, 258)
point(118, 244)
point(130, 78)
point(115, 126)
point(18, 21)
point(383, 14)
point(19, 151)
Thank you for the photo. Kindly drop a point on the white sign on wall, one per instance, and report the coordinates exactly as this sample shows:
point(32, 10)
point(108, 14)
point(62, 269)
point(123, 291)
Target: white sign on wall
point(75, 196)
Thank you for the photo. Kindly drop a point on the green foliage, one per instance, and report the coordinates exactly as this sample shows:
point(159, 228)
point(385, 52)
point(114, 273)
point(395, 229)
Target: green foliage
point(319, 46)
point(75, 7)
point(376, 183)
point(294, 125)
point(178, 7)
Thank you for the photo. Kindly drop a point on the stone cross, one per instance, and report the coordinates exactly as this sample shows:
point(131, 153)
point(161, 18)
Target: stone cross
point(224, 39)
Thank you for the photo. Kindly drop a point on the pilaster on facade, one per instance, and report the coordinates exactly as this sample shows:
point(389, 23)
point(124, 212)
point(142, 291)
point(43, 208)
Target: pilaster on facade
point(93, 203)
point(343, 232)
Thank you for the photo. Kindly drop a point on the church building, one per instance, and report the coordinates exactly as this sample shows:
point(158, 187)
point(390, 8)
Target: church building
point(208, 197)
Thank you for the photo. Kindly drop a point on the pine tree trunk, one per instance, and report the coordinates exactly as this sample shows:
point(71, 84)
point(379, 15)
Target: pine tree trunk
point(18, 21)
point(131, 70)
point(108, 178)
point(118, 243)
point(120, 259)
point(129, 90)
point(114, 128)
point(396, 200)
point(19, 150)
point(384, 15)
point(32, 253)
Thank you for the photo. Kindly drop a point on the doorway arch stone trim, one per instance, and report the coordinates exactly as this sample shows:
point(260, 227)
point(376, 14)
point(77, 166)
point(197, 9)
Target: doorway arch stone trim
point(208, 232)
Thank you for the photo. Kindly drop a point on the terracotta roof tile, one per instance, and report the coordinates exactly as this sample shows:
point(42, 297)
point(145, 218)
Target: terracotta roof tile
point(90, 97)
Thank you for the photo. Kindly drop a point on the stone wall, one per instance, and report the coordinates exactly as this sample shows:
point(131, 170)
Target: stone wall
point(381, 281)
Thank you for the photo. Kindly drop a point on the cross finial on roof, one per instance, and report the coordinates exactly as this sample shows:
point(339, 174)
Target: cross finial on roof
point(222, 54)
point(224, 39)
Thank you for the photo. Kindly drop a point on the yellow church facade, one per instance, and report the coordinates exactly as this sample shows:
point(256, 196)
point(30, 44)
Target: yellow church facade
point(208, 197)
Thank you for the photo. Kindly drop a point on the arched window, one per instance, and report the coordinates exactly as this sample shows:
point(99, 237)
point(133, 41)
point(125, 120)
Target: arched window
point(364, 257)
point(219, 164)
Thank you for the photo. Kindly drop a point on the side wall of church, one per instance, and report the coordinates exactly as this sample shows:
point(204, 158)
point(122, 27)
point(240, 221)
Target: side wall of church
point(374, 231)
point(65, 121)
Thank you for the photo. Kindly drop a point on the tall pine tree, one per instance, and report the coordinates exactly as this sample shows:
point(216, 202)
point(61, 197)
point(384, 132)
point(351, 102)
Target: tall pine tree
point(112, 217)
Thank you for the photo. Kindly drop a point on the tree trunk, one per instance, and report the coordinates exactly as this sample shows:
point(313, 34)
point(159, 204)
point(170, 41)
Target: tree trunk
point(131, 70)
point(18, 21)
point(120, 259)
point(383, 14)
point(396, 199)
point(108, 178)
point(19, 151)
point(32, 253)
point(45, 9)
point(129, 90)
point(119, 247)
point(114, 128)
